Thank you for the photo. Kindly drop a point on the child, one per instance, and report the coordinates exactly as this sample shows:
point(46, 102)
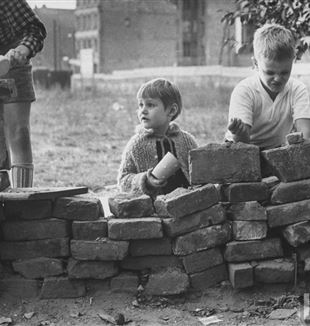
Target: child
point(265, 107)
point(22, 36)
point(159, 103)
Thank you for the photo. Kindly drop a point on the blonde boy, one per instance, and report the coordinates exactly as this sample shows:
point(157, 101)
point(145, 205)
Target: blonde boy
point(265, 107)
point(159, 103)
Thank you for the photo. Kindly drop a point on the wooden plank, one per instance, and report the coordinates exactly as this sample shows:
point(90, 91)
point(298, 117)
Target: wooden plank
point(40, 193)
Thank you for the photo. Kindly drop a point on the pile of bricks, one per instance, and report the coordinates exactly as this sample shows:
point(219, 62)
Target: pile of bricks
point(231, 224)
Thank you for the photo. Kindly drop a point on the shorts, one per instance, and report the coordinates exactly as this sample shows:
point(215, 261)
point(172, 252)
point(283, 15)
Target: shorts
point(22, 76)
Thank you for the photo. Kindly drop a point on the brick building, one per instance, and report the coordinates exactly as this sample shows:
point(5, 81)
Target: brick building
point(127, 34)
point(59, 45)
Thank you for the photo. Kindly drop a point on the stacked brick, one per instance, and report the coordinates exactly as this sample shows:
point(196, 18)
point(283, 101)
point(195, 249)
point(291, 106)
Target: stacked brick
point(231, 224)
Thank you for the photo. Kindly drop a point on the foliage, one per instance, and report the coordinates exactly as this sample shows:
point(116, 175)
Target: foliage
point(293, 14)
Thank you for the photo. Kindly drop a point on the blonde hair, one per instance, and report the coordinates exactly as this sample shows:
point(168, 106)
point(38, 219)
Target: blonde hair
point(274, 42)
point(163, 89)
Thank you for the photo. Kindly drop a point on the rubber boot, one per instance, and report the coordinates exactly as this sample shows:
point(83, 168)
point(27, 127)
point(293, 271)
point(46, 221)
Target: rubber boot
point(22, 175)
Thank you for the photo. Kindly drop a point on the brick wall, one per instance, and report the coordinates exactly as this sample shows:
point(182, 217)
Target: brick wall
point(234, 223)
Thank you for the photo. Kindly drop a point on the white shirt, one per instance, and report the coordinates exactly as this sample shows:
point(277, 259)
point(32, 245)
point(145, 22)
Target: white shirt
point(270, 121)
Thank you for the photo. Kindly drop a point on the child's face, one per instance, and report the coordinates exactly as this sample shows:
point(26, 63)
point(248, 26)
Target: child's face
point(153, 115)
point(274, 74)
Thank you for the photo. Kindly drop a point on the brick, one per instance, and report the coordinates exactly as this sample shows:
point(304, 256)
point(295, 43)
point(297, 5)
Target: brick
point(170, 281)
point(151, 247)
point(135, 228)
point(103, 249)
point(91, 269)
point(202, 239)
point(39, 267)
point(182, 202)
point(209, 277)
point(210, 216)
point(125, 282)
point(35, 248)
point(225, 163)
point(20, 287)
point(294, 138)
point(291, 192)
point(35, 229)
point(62, 287)
point(247, 211)
point(126, 205)
point(285, 214)
point(89, 230)
point(289, 163)
point(246, 191)
point(28, 209)
point(249, 230)
point(241, 275)
point(297, 234)
point(78, 208)
point(242, 251)
point(200, 261)
point(274, 271)
point(150, 262)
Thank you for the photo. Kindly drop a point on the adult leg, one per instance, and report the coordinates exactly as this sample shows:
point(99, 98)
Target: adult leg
point(16, 118)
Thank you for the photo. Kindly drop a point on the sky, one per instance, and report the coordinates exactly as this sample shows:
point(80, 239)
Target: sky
point(64, 4)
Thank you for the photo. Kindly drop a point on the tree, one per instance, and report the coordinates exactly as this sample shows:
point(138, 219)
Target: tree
point(293, 14)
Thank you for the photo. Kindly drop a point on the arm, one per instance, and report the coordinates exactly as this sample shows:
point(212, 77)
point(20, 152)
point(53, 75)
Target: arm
point(303, 125)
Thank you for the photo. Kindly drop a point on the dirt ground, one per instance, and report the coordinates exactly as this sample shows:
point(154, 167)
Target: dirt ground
point(220, 305)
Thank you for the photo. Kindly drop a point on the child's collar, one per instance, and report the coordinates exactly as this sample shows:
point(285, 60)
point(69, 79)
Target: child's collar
point(173, 130)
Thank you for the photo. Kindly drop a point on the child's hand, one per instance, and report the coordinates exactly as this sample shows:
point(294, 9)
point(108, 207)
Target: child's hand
point(154, 182)
point(18, 56)
point(240, 130)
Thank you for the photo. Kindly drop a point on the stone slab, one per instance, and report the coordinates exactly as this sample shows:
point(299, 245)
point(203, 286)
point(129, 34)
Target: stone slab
point(241, 275)
point(288, 192)
point(28, 209)
point(247, 211)
point(89, 230)
point(297, 234)
point(249, 230)
point(151, 247)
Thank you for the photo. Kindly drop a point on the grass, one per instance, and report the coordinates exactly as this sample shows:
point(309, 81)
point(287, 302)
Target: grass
point(78, 139)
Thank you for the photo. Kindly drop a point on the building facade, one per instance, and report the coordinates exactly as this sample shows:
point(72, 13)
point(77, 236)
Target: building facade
point(127, 34)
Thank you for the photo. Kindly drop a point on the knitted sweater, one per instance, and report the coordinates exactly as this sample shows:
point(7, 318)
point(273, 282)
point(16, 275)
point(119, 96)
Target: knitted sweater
point(142, 153)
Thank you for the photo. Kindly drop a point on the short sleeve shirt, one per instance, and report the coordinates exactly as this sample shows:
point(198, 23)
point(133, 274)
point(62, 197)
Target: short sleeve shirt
point(270, 120)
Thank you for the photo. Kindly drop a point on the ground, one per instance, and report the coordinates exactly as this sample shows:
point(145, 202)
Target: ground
point(221, 304)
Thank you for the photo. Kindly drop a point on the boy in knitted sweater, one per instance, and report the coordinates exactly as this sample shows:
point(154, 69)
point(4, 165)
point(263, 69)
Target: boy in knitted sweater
point(159, 103)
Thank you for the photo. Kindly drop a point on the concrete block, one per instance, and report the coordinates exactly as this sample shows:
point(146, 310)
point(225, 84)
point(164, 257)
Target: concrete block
point(150, 262)
point(28, 209)
point(249, 230)
point(124, 282)
point(243, 192)
point(127, 205)
point(247, 211)
point(288, 192)
point(135, 228)
point(210, 216)
point(151, 247)
point(78, 208)
point(182, 202)
point(200, 261)
point(103, 249)
point(289, 163)
point(91, 269)
point(242, 251)
point(35, 229)
point(225, 163)
point(289, 213)
point(40, 267)
point(208, 277)
point(241, 275)
point(62, 287)
point(170, 281)
point(36, 248)
point(297, 234)
point(274, 271)
point(202, 239)
point(89, 230)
